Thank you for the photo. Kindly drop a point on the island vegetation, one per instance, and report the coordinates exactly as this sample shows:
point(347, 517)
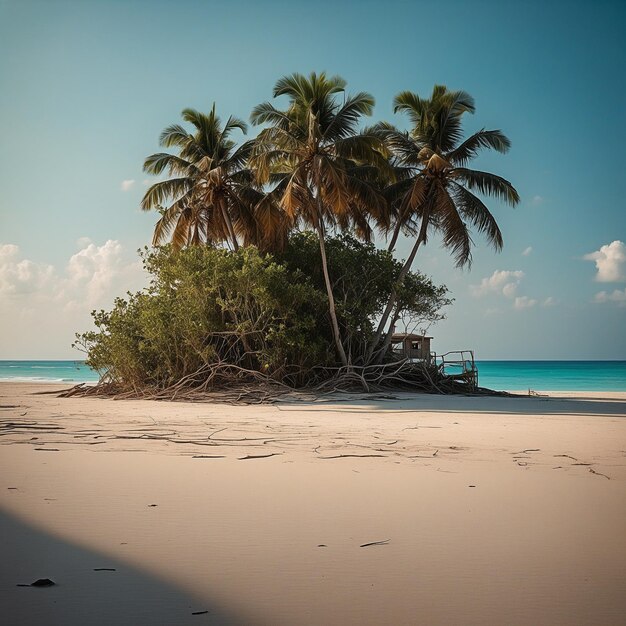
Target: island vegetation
point(264, 272)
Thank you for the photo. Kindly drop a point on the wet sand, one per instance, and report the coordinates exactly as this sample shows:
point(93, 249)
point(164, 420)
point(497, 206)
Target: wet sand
point(488, 510)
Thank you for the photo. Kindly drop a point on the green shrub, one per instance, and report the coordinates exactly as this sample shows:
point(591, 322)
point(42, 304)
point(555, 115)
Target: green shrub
point(255, 313)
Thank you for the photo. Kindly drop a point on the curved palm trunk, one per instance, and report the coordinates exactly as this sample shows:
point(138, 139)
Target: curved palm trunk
point(397, 229)
point(229, 226)
point(394, 237)
point(394, 293)
point(329, 289)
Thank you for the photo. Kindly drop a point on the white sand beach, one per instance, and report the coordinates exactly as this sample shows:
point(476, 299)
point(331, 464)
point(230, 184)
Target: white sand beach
point(488, 510)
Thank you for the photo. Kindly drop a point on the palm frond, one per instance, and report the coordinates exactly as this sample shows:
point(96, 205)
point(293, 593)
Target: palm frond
point(487, 184)
point(174, 135)
point(272, 224)
point(411, 104)
point(233, 123)
point(456, 236)
point(173, 222)
point(416, 196)
point(490, 139)
point(162, 191)
point(367, 199)
point(474, 210)
point(295, 196)
point(457, 102)
point(332, 185)
point(157, 163)
point(267, 113)
point(344, 121)
point(360, 148)
point(239, 158)
point(303, 89)
point(394, 192)
point(263, 162)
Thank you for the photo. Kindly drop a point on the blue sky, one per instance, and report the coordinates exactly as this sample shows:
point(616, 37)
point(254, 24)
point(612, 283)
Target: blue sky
point(86, 87)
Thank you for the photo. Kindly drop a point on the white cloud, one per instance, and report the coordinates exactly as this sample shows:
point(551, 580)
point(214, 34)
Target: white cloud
point(610, 261)
point(550, 301)
point(127, 184)
point(8, 250)
point(536, 200)
point(527, 251)
point(44, 305)
point(21, 276)
point(509, 289)
point(618, 296)
point(501, 281)
point(91, 272)
point(524, 302)
point(506, 283)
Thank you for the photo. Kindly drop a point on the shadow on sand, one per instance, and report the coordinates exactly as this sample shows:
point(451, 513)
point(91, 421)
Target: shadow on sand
point(512, 405)
point(126, 596)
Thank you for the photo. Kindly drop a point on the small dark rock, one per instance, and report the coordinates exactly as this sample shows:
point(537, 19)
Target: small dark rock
point(199, 612)
point(40, 582)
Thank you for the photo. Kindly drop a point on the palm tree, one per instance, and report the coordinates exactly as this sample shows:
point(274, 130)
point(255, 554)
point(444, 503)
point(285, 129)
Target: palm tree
point(210, 194)
point(438, 196)
point(321, 168)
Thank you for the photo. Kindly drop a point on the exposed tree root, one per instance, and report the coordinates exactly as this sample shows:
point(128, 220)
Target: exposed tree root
point(221, 382)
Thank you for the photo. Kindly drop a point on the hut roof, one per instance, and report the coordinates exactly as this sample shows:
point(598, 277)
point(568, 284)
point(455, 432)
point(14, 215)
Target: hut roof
point(402, 336)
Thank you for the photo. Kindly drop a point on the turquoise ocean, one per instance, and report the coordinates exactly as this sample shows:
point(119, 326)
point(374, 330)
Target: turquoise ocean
point(509, 375)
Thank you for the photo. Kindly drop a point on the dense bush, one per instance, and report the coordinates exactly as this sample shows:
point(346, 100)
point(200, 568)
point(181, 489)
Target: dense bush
point(209, 309)
point(362, 278)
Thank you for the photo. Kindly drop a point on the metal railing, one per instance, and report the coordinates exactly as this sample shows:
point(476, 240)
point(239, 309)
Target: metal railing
point(457, 364)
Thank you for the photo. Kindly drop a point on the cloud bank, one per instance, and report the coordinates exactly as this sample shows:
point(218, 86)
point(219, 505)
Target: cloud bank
point(21, 276)
point(44, 305)
point(618, 296)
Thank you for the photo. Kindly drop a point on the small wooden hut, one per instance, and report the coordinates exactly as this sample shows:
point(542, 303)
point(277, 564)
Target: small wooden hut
point(411, 346)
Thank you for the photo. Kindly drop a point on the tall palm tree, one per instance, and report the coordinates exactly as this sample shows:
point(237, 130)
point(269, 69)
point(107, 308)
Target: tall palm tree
point(439, 195)
point(210, 191)
point(320, 166)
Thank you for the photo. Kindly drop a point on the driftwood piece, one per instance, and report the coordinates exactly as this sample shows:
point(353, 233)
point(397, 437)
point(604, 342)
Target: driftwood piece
point(384, 542)
point(598, 473)
point(566, 456)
